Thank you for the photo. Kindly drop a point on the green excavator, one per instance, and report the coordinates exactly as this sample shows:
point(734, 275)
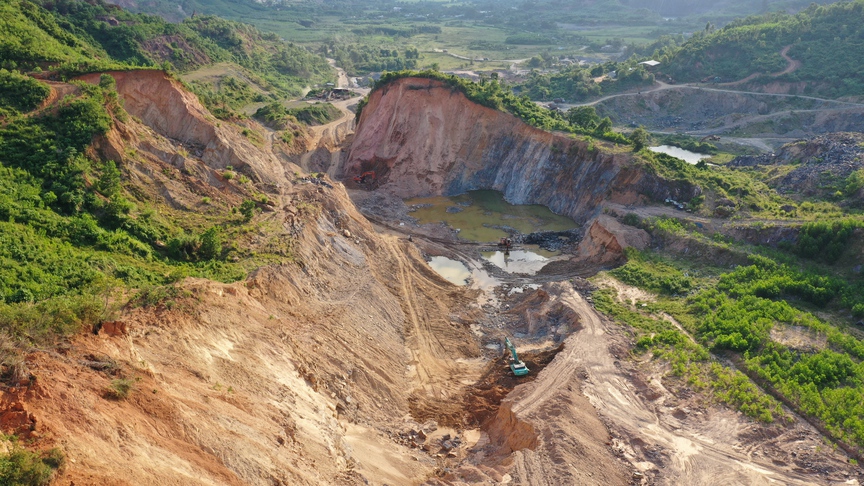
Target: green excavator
point(516, 365)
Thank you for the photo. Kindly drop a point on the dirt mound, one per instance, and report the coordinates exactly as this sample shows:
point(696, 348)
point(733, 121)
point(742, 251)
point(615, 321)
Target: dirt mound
point(606, 240)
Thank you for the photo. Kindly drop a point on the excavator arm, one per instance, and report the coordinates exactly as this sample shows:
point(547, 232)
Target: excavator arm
point(516, 365)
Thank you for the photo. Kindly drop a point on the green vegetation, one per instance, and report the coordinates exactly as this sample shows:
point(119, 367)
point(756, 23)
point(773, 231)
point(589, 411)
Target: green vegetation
point(72, 235)
point(358, 58)
point(737, 313)
point(826, 39)
point(491, 94)
point(687, 143)
point(19, 92)
point(577, 83)
point(20, 467)
point(277, 116)
point(690, 361)
point(73, 37)
point(825, 240)
point(733, 191)
point(119, 389)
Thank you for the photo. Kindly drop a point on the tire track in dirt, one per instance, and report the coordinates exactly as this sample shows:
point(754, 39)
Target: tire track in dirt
point(430, 340)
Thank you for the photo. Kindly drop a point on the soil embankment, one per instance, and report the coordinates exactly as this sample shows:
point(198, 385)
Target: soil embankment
point(422, 138)
point(162, 104)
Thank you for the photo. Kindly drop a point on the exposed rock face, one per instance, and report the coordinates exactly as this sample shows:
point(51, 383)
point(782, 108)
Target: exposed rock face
point(606, 240)
point(162, 104)
point(822, 164)
point(422, 138)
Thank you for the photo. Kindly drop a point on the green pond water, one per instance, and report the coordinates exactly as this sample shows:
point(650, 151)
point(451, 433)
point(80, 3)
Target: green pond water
point(479, 214)
point(482, 210)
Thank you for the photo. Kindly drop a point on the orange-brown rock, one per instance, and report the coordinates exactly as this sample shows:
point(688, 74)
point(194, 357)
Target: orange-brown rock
point(162, 104)
point(424, 138)
point(606, 240)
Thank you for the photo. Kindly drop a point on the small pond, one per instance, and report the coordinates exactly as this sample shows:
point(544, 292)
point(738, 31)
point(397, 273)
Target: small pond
point(479, 215)
point(685, 155)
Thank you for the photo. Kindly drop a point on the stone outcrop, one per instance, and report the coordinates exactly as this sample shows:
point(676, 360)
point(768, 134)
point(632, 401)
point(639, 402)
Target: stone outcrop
point(606, 240)
point(423, 138)
point(822, 164)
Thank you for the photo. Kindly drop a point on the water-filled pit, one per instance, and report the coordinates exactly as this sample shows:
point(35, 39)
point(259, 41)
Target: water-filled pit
point(484, 216)
point(677, 152)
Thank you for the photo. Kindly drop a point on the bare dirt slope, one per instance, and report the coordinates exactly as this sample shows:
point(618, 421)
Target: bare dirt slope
point(670, 447)
point(290, 377)
point(277, 379)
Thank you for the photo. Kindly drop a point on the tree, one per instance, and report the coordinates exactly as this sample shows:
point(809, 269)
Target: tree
point(640, 138)
point(604, 125)
point(583, 117)
point(211, 244)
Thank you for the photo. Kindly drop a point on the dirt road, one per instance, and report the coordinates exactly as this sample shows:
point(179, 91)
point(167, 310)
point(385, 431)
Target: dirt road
point(791, 66)
point(328, 137)
point(701, 452)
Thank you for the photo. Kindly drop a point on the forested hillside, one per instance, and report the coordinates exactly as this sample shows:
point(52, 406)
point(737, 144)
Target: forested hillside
point(827, 40)
point(74, 37)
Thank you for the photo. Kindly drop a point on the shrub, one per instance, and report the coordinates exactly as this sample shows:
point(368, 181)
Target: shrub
point(20, 467)
point(21, 92)
point(825, 240)
point(632, 219)
point(248, 209)
point(119, 389)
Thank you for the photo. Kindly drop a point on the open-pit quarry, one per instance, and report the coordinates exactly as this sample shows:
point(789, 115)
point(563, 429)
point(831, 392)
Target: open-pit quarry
point(354, 362)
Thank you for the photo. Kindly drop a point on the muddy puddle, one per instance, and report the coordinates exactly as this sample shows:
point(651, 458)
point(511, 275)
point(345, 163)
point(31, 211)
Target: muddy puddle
point(453, 271)
point(528, 261)
point(458, 273)
point(482, 216)
point(677, 152)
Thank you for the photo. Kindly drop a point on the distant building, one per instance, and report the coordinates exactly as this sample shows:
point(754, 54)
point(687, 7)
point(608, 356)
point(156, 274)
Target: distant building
point(650, 63)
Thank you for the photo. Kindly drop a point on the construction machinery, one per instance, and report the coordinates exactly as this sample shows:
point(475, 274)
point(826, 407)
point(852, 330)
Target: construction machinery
point(365, 177)
point(516, 365)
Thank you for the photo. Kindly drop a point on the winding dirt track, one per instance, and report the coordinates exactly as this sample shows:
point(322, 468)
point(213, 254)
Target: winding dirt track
point(704, 457)
point(792, 66)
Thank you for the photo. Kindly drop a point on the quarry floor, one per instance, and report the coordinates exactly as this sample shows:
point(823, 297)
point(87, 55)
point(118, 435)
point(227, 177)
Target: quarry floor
point(659, 430)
